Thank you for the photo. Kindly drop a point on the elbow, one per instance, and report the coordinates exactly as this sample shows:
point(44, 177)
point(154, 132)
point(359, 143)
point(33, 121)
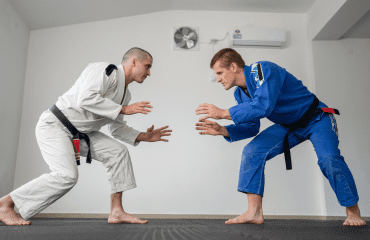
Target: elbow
point(87, 98)
point(255, 131)
point(81, 102)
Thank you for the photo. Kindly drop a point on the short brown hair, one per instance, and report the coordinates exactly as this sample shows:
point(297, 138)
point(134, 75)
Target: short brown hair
point(227, 56)
point(141, 54)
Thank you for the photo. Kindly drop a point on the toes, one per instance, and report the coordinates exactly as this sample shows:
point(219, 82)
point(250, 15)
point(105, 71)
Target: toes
point(230, 221)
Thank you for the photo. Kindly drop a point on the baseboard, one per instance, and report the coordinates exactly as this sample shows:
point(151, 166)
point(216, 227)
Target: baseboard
point(185, 216)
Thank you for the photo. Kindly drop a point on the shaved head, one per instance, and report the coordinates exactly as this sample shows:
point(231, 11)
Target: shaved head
point(139, 53)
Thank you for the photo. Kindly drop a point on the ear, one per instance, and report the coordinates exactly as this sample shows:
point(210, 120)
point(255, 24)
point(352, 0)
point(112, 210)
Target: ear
point(134, 61)
point(233, 67)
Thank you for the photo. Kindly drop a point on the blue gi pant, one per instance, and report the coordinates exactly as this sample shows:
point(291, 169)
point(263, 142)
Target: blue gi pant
point(323, 135)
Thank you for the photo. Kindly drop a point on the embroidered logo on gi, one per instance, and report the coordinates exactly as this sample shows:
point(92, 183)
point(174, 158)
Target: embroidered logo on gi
point(258, 74)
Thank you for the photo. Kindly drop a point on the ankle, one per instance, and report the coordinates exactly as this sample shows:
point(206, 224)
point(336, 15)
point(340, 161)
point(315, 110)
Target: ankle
point(6, 202)
point(117, 210)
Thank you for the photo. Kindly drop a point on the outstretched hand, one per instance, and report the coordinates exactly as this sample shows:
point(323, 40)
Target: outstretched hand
point(139, 107)
point(154, 135)
point(212, 111)
point(211, 128)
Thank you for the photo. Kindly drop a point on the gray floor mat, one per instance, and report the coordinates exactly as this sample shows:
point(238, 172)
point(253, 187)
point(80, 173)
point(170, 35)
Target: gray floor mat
point(178, 229)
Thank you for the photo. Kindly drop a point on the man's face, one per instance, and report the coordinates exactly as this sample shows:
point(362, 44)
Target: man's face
point(142, 69)
point(225, 75)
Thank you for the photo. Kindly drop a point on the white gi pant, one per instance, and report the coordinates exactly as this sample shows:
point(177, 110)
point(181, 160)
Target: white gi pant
point(55, 142)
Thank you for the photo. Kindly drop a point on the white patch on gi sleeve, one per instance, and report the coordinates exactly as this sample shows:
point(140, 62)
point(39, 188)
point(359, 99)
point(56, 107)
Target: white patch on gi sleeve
point(256, 69)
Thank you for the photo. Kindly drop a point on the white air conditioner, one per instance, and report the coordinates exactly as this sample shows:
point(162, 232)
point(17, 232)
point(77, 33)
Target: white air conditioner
point(256, 37)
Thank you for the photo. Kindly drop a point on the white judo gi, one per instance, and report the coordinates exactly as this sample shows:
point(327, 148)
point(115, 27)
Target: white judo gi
point(95, 100)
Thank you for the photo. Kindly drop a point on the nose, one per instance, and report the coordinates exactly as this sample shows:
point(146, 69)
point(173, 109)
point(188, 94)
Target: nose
point(148, 72)
point(218, 79)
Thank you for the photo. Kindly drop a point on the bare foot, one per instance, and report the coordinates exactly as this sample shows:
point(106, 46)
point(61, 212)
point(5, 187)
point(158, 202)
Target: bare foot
point(7, 213)
point(354, 216)
point(120, 216)
point(251, 216)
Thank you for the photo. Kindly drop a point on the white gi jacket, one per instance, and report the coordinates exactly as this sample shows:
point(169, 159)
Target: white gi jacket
point(96, 100)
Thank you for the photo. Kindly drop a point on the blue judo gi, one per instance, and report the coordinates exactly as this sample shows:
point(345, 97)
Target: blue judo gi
point(274, 93)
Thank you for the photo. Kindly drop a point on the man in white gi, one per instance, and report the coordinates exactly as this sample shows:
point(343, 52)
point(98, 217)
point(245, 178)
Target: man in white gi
point(99, 97)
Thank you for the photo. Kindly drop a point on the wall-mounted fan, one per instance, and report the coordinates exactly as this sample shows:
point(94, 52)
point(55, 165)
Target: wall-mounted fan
point(185, 38)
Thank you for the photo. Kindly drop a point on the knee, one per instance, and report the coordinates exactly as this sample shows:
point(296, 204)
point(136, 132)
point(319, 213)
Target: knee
point(250, 150)
point(250, 154)
point(120, 153)
point(330, 161)
point(69, 178)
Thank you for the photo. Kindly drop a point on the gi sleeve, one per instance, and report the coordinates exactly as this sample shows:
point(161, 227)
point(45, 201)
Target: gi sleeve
point(269, 79)
point(94, 84)
point(242, 131)
point(119, 130)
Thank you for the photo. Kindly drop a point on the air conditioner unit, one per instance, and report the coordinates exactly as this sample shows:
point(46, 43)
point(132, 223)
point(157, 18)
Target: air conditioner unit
point(256, 37)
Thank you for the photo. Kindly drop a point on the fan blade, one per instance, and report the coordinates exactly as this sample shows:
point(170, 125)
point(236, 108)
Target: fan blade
point(178, 36)
point(185, 31)
point(181, 44)
point(192, 35)
point(190, 43)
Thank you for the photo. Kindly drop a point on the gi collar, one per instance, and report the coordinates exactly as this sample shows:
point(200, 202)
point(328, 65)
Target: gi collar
point(247, 72)
point(121, 71)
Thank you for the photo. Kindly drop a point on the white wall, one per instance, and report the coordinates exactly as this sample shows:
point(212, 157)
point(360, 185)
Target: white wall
point(342, 81)
point(14, 33)
point(319, 15)
point(191, 174)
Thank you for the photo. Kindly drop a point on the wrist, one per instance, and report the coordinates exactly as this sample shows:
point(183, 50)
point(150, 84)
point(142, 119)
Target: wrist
point(224, 132)
point(123, 110)
point(226, 114)
point(141, 137)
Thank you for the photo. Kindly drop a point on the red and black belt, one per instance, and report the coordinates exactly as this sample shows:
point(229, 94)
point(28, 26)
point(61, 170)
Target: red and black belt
point(76, 134)
point(301, 123)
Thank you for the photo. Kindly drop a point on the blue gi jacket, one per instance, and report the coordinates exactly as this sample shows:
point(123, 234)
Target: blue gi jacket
point(274, 93)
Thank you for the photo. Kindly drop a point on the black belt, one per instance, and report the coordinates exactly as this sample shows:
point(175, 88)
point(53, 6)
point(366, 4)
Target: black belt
point(76, 134)
point(301, 123)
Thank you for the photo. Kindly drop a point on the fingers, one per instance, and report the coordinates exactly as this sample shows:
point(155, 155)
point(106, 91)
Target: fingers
point(201, 108)
point(204, 118)
point(203, 105)
point(145, 105)
point(203, 133)
point(201, 112)
point(145, 111)
point(209, 122)
point(142, 107)
point(164, 131)
point(164, 128)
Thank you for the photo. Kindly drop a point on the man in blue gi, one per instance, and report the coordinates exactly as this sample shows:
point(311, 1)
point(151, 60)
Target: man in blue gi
point(265, 89)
